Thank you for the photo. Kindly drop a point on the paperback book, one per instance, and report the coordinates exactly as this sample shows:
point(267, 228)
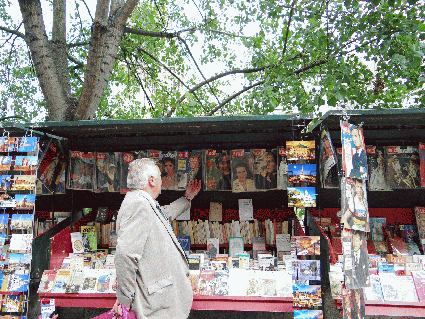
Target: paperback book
point(89, 236)
point(47, 281)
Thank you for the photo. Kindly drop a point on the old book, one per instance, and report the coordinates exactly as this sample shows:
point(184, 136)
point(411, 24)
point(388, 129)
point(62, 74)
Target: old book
point(206, 282)
point(107, 172)
point(258, 246)
point(77, 243)
point(89, 236)
point(236, 246)
point(61, 280)
point(90, 277)
point(374, 291)
point(221, 279)
point(47, 281)
point(75, 281)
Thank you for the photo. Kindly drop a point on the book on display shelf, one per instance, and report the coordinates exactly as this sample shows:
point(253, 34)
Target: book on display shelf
point(221, 282)
point(75, 281)
point(89, 236)
point(47, 281)
point(236, 246)
point(206, 282)
point(77, 243)
point(377, 228)
point(61, 280)
point(374, 291)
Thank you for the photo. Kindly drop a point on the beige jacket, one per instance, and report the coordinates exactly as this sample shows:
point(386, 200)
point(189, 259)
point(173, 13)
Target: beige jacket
point(152, 269)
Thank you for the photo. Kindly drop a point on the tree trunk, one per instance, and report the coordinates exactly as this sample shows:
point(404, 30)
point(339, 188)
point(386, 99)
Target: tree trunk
point(42, 57)
point(104, 45)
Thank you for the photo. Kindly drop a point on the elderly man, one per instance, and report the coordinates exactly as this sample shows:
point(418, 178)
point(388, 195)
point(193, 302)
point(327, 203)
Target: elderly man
point(152, 269)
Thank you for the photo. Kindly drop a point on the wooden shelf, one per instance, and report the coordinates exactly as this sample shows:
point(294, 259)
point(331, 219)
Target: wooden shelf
point(393, 308)
point(243, 303)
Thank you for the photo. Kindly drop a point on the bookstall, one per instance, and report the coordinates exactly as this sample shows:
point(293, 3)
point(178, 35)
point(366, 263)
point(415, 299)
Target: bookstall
point(63, 141)
point(297, 217)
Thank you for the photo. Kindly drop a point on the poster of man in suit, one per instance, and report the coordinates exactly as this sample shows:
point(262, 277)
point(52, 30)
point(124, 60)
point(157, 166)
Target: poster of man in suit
point(354, 158)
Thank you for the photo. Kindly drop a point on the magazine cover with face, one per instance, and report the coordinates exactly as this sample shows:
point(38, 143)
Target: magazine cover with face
point(377, 169)
point(327, 158)
point(107, 172)
point(354, 158)
point(265, 168)
point(169, 174)
point(356, 259)
point(242, 171)
point(422, 162)
point(403, 167)
point(217, 170)
point(81, 170)
point(354, 206)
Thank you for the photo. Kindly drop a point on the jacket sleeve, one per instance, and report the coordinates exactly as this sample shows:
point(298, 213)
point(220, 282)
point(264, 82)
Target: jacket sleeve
point(176, 208)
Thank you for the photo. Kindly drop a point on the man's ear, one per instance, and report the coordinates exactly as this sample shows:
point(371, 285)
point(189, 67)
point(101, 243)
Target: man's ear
point(151, 181)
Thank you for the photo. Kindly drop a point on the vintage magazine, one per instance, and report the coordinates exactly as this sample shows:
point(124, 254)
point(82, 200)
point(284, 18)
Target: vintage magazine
point(217, 170)
point(265, 168)
point(377, 228)
point(195, 165)
point(242, 171)
point(183, 169)
point(356, 260)
point(327, 158)
point(47, 281)
point(377, 168)
point(422, 162)
point(353, 304)
point(81, 170)
point(51, 171)
point(403, 167)
point(354, 157)
point(107, 172)
point(355, 211)
point(169, 173)
point(282, 170)
point(125, 160)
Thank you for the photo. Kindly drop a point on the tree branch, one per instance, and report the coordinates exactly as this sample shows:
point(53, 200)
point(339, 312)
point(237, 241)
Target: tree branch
point(15, 32)
point(152, 34)
point(173, 74)
point(234, 96)
point(77, 44)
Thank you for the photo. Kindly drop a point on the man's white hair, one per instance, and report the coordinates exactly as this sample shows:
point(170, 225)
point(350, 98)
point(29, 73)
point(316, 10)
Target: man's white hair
point(139, 172)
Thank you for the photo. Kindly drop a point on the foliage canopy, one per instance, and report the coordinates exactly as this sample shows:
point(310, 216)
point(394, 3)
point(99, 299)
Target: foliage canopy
point(134, 59)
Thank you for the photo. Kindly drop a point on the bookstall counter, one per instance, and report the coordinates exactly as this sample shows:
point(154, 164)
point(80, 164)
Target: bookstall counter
point(391, 308)
point(233, 303)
